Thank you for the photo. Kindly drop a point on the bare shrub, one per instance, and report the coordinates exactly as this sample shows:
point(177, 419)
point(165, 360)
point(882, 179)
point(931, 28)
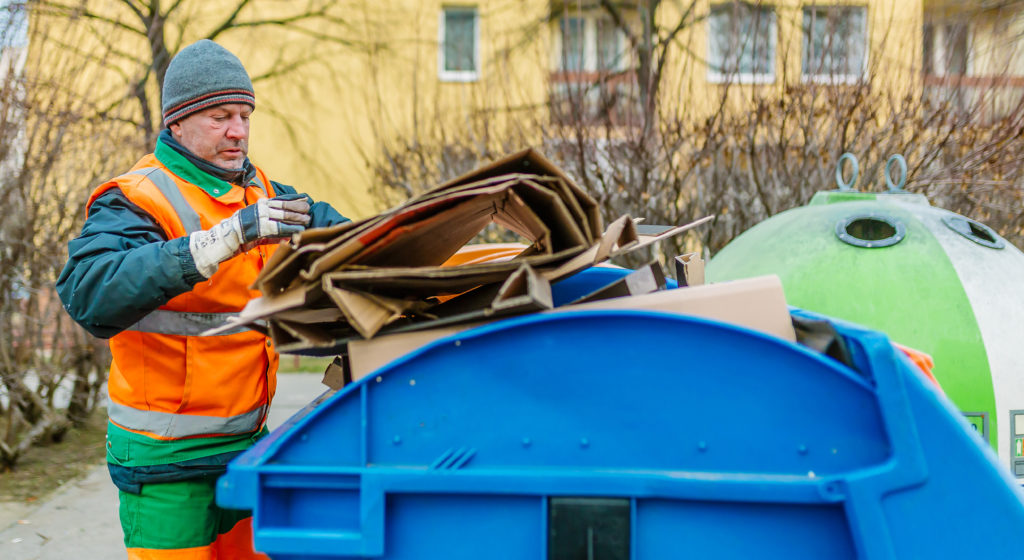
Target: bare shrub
point(649, 151)
point(53, 143)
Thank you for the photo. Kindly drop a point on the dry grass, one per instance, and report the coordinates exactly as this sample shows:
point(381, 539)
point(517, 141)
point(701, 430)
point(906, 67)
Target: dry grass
point(45, 468)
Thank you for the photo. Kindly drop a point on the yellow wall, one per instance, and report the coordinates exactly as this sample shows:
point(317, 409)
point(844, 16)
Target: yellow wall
point(994, 44)
point(317, 127)
point(387, 88)
point(395, 93)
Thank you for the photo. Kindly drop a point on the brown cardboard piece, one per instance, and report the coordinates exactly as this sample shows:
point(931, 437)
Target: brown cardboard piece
point(755, 303)
point(386, 272)
point(689, 269)
point(644, 280)
point(337, 374)
point(523, 292)
point(362, 293)
point(532, 162)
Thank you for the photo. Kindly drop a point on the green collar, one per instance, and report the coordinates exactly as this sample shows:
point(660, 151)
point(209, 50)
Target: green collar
point(182, 167)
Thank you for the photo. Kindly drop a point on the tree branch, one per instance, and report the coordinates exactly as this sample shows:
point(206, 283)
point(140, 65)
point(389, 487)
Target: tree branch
point(62, 10)
point(131, 6)
point(174, 7)
point(620, 22)
point(229, 21)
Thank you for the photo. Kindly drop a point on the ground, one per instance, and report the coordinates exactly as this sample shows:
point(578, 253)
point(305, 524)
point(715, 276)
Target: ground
point(44, 468)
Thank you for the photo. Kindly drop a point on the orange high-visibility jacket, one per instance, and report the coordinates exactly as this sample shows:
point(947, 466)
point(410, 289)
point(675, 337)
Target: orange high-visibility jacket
point(166, 380)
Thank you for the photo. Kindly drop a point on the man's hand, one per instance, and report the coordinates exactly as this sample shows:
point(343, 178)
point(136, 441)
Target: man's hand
point(267, 221)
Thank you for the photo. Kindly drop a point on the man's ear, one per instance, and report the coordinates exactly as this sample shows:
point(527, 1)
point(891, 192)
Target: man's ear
point(175, 130)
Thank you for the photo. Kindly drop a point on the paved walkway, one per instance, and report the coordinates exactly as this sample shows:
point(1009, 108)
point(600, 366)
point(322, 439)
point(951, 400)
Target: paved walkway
point(80, 519)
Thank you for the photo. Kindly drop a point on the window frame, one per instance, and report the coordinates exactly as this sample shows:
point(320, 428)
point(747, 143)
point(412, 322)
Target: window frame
point(458, 75)
point(716, 77)
point(834, 78)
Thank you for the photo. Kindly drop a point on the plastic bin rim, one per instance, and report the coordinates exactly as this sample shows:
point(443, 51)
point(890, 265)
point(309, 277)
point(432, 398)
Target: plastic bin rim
point(270, 445)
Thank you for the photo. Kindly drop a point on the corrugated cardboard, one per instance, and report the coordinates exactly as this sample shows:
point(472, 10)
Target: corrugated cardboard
point(386, 274)
point(755, 303)
point(689, 269)
point(644, 280)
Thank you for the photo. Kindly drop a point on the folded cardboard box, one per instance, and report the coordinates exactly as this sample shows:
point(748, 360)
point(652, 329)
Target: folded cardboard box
point(395, 272)
point(756, 303)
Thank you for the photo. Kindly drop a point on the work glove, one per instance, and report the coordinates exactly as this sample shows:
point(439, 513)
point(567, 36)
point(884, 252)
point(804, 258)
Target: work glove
point(269, 220)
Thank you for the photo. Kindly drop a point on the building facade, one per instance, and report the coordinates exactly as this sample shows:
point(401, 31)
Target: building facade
point(334, 115)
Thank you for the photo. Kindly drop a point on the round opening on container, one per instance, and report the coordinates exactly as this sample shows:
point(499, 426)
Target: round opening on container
point(870, 231)
point(975, 231)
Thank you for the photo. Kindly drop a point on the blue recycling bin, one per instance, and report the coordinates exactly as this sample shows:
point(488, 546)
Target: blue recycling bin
point(629, 434)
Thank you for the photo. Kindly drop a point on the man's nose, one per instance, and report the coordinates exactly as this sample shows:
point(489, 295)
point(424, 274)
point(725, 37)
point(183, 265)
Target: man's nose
point(238, 128)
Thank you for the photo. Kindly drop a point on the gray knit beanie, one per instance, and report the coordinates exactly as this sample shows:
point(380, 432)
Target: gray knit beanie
point(202, 75)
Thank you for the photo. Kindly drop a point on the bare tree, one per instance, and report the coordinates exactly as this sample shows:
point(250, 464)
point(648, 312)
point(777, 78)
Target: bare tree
point(79, 102)
point(138, 39)
point(51, 143)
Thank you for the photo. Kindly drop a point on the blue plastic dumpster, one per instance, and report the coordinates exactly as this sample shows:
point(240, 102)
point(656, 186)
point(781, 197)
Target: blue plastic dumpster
point(627, 434)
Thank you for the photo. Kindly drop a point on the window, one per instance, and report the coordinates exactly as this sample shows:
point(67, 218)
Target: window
point(956, 49)
point(741, 43)
point(591, 84)
point(459, 59)
point(945, 49)
point(590, 44)
point(835, 43)
point(13, 25)
point(609, 45)
point(572, 30)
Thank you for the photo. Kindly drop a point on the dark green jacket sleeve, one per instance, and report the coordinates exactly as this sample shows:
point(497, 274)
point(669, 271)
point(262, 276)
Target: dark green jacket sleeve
point(323, 214)
point(121, 267)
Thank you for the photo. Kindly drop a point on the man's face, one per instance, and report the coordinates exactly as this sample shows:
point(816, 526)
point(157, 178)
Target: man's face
point(220, 134)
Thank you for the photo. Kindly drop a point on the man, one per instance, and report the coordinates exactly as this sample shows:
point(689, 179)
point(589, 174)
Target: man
point(168, 251)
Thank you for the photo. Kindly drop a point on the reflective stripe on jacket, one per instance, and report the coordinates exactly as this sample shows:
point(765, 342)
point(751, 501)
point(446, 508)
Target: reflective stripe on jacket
point(166, 381)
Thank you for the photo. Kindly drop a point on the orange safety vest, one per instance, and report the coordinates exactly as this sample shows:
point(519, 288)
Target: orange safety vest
point(167, 381)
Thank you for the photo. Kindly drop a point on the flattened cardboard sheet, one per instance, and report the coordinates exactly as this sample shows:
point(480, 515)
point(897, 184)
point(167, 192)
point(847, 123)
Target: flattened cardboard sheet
point(524, 291)
point(428, 281)
point(384, 274)
point(689, 269)
point(644, 280)
point(359, 292)
point(366, 313)
point(311, 240)
point(532, 162)
point(755, 303)
point(366, 356)
point(264, 307)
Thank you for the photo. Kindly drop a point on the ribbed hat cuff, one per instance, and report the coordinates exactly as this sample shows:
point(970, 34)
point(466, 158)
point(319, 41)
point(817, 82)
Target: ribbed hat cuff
point(212, 99)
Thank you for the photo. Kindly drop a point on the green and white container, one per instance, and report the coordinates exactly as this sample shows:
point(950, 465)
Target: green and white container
point(932, 279)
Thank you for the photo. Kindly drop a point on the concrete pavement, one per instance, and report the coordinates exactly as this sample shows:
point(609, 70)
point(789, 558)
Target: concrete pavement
point(80, 519)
